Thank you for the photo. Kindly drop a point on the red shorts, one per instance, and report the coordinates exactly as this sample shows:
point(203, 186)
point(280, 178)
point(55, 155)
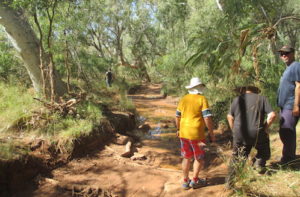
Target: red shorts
point(191, 148)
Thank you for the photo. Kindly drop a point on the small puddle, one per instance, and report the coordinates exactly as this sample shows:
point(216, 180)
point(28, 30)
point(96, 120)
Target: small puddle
point(140, 120)
point(159, 133)
point(163, 132)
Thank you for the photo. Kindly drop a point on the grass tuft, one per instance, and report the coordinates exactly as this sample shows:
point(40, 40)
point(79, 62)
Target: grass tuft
point(276, 181)
point(11, 149)
point(15, 102)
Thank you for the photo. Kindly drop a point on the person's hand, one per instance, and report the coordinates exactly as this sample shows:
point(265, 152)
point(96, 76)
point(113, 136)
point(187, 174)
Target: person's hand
point(296, 111)
point(177, 133)
point(201, 144)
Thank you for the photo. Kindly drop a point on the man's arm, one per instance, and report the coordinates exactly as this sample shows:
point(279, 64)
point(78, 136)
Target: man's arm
point(210, 126)
point(230, 120)
point(296, 111)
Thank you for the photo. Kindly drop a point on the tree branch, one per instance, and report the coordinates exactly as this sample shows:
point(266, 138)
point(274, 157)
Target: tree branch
point(286, 18)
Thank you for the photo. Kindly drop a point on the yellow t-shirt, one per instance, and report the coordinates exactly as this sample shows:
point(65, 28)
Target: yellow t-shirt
point(192, 108)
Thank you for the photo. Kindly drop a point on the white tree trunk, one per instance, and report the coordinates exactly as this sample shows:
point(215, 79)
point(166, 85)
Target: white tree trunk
point(26, 42)
point(220, 5)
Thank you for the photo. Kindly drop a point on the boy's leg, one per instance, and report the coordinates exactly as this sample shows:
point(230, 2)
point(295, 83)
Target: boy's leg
point(197, 146)
point(186, 163)
point(196, 181)
point(186, 153)
point(263, 152)
point(198, 165)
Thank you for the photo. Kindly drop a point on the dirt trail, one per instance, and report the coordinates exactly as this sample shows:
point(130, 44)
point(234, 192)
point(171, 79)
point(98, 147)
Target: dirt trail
point(155, 173)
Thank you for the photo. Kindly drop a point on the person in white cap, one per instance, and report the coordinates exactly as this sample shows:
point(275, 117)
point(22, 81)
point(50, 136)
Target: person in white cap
point(192, 115)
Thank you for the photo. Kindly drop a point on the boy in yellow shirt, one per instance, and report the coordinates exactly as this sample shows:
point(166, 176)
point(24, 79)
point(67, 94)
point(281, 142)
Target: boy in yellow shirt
point(192, 115)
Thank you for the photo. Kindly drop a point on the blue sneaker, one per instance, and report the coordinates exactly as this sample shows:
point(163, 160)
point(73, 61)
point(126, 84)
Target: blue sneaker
point(186, 185)
point(198, 184)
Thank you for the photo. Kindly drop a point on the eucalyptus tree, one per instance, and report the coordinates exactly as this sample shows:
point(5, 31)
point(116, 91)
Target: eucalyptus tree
point(106, 24)
point(142, 37)
point(72, 53)
point(37, 60)
point(171, 23)
point(172, 16)
point(253, 30)
point(114, 29)
point(95, 27)
point(288, 23)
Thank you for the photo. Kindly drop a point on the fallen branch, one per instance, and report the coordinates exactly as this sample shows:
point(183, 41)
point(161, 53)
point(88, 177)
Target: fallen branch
point(62, 107)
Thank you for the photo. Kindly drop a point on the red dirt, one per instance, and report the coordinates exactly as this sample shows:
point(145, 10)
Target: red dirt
point(158, 175)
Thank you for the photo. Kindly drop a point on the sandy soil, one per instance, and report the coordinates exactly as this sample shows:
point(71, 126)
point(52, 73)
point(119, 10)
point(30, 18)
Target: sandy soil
point(154, 172)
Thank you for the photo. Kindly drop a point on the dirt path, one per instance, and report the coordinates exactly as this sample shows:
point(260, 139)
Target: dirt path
point(155, 171)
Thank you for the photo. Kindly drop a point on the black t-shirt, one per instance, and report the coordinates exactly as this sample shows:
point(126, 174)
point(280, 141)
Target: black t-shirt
point(249, 111)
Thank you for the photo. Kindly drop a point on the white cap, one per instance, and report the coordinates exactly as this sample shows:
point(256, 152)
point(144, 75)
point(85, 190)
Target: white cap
point(195, 81)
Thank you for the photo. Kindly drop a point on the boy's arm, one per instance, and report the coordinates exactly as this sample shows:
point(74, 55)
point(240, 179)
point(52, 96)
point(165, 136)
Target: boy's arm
point(177, 120)
point(271, 117)
point(210, 126)
point(230, 120)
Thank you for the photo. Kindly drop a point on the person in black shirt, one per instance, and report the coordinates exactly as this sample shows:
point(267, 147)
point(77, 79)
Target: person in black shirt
point(108, 78)
point(246, 119)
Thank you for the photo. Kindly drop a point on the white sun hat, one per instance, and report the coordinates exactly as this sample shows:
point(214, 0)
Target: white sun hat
point(195, 81)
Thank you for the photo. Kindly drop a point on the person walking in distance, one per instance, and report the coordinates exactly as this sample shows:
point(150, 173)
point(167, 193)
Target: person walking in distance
point(192, 115)
point(288, 99)
point(246, 119)
point(108, 78)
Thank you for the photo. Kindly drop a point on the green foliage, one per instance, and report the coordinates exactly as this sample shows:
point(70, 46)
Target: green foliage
point(15, 102)
point(278, 183)
point(122, 86)
point(71, 127)
point(157, 34)
point(126, 104)
point(243, 172)
point(10, 149)
point(220, 111)
point(11, 70)
point(171, 40)
point(67, 129)
point(7, 60)
point(124, 73)
point(91, 111)
point(167, 70)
